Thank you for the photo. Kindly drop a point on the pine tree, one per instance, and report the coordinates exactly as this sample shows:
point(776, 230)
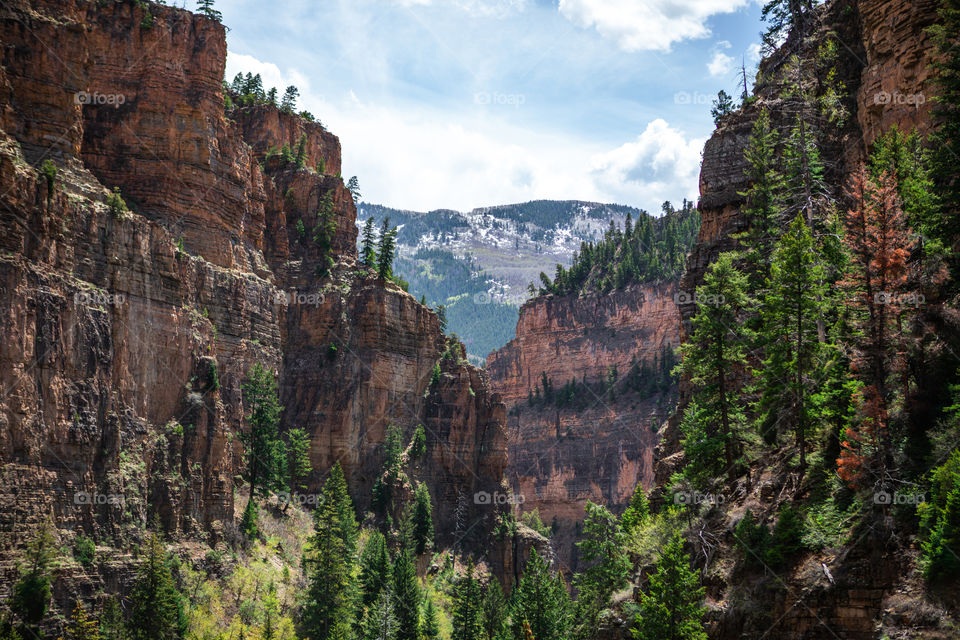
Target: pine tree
point(468, 608)
point(713, 358)
point(205, 7)
point(406, 598)
point(298, 466)
point(31, 593)
point(494, 611)
point(112, 621)
point(431, 625)
point(602, 549)
point(794, 304)
point(353, 186)
point(763, 201)
point(540, 601)
point(422, 520)
point(156, 606)
point(263, 450)
point(386, 250)
point(637, 512)
point(722, 106)
point(946, 138)
point(375, 568)
point(324, 233)
point(332, 590)
point(784, 16)
point(380, 622)
point(672, 606)
point(288, 103)
point(81, 627)
point(301, 157)
point(368, 247)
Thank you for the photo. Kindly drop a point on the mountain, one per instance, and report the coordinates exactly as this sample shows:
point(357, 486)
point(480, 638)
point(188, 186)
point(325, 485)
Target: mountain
point(480, 264)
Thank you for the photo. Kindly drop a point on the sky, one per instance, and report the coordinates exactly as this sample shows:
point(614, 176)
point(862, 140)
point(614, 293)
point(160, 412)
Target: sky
point(467, 103)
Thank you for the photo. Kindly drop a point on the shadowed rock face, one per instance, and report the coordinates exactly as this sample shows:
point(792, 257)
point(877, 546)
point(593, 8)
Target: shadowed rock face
point(126, 338)
point(562, 457)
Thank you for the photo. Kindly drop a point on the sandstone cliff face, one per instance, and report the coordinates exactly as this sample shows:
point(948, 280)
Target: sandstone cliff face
point(126, 338)
point(560, 458)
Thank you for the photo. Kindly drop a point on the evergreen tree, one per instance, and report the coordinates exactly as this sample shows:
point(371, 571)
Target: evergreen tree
point(422, 520)
point(946, 138)
point(368, 247)
point(431, 625)
point(385, 251)
point(672, 606)
point(406, 598)
point(264, 454)
point(713, 358)
point(298, 466)
point(791, 311)
point(940, 522)
point(353, 186)
point(763, 201)
point(637, 512)
point(81, 627)
point(332, 590)
point(205, 7)
point(156, 606)
point(783, 16)
point(602, 549)
point(468, 608)
point(380, 622)
point(375, 568)
point(31, 593)
point(722, 106)
point(301, 157)
point(494, 611)
point(540, 601)
point(112, 621)
point(324, 233)
point(288, 103)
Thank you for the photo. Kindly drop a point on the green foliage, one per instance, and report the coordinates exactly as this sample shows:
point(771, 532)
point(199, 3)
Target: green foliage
point(602, 549)
point(115, 203)
point(380, 621)
point(49, 171)
point(532, 520)
point(422, 520)
point(81, 627)
point(494, 611)
point(332, 589)
point(946, 138)
point(368, 249)
point(264, 455)
point(298, 468)
point(353, 186)
point(156, 606)
point(31, 592)
point(418, 444)
point(324, 233)
point(762, 548)
point(113, 621)
point(940, 522)
point(541, 601)
point(84, 550)
point(289, 101)
point(468, 613)
point(672, 608)
point(637, 512)
point(431, 625)
point(714, 420)
point(654, 249)
point(386, 249)
point(205, 8)
point(375, 568)
point(301, 157)
point(722, 106)
point(406, 592)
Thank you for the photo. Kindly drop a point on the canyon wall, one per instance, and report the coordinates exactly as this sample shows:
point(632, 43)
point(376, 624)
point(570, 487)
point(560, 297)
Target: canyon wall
point(561, 457)
point(126, 336)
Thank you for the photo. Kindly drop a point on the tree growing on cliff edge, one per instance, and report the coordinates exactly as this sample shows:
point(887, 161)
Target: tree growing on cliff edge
point(386, 250)
point(722, 106)
point(672, 606)
point(324, 233)
point(783, 17)
point(205, 7)
point(368, 246)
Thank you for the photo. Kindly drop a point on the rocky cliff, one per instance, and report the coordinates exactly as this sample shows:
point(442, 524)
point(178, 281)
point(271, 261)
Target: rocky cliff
point(599, 445)
point(126, 335)
point(868, 587)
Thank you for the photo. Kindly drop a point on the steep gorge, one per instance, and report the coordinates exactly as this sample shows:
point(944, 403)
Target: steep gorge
point(127, 336)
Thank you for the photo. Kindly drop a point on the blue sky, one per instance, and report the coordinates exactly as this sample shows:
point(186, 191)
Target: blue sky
point(467, 103)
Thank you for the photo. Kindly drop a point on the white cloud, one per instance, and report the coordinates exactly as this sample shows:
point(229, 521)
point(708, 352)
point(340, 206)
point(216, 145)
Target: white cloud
point(416, 157)
point(661, 164)
point(479, 8)
point(720, 65)
point(644, 25)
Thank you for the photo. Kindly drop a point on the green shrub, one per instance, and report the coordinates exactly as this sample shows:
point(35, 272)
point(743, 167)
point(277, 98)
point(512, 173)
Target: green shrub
point(116, 204)
point(940, 522)
point(418, 444)
point(84, 550)
point(49, 171)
